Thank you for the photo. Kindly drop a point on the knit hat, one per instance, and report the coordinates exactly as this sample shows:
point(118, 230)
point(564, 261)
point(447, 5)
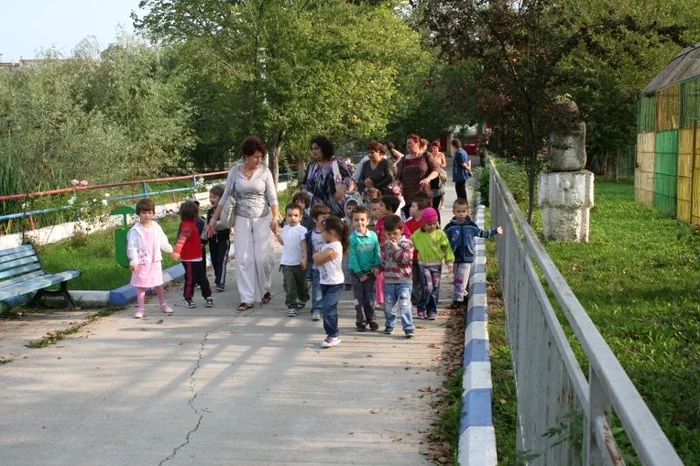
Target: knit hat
point(429, 215)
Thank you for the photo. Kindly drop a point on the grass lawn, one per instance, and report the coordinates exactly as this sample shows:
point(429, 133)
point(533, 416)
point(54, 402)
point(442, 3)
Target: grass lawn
point(639, 280)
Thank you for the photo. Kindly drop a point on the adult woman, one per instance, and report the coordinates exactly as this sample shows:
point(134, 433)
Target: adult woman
point(414, 172)
point(327, 178)
point(393, 155)
point(251, 184)
point(376, 172)
point(441, 161)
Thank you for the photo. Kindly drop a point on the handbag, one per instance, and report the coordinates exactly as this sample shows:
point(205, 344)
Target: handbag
point(227, 218)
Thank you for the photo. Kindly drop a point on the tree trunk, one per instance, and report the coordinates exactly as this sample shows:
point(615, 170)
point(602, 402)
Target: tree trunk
point(275, 156)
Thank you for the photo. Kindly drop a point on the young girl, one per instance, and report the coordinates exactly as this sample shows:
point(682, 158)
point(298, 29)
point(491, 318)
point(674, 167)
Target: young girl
point(329, 261)
point(433, 247)
point(144, 243)
point(189, 249)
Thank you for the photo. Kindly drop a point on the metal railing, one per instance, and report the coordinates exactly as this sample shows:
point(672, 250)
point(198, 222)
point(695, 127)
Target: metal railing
point(563, 418)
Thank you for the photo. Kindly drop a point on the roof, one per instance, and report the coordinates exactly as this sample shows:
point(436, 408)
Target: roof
point(684, 66)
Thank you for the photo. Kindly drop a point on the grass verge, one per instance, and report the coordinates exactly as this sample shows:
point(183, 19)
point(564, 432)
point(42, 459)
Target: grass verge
point(58, 335)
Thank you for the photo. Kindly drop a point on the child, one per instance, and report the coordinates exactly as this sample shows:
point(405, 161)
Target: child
point(220, 243)
point(188, 249)
point(363, 257)
point(420, 202)
point(144, 244)
point(461, 232)
point(397, 255)
point(433, 246)
point(302, 199)
point(293, 260)
point(350, 205)
point(335, 237)
point(314, 243)
point(390, 204)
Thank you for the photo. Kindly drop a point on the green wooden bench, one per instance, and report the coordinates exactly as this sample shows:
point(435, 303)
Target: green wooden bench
point(21, 273)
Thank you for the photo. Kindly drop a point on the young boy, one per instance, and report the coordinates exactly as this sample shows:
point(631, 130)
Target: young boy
point(220, 243)
point(461, 232)
point(301, 198)
point(397, 255)
point(419, 203)
point(390, 204)
point(294, 259)
point(363, 257)
point(189, 249)
point(433, 247)
point(314, 242)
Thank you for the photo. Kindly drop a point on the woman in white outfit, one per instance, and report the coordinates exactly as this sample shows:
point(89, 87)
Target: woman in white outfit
point(257, 210)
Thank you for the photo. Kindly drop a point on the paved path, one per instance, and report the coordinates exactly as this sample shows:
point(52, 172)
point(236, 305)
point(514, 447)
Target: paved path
point(213, 387)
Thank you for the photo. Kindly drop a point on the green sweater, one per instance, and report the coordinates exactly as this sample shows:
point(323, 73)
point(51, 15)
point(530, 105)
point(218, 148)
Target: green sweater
point(432, 247)
point(364, 252)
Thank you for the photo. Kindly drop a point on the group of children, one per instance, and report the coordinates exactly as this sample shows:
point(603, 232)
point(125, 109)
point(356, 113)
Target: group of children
point(386, 261)
point(146, 240)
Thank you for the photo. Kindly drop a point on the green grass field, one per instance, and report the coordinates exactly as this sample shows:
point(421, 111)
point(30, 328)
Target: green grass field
point(639, 280)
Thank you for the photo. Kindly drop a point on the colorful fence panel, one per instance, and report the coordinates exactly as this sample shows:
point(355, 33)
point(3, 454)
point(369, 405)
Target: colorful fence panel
point(666, 170)
point(686, 151)
point(668, 108)
point(690, 103)
point(644, 171)
point(646, 116)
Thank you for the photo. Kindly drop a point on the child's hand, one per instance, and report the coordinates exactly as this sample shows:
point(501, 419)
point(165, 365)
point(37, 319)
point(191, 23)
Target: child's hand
point(376, 271)
point(450, 268)
point(134, 267)
point(363, 278)
point(303, 263)
point(499, 230)
point(394, 244)
point(175, 256)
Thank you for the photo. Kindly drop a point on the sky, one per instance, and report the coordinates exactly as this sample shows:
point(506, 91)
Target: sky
point(30, 25)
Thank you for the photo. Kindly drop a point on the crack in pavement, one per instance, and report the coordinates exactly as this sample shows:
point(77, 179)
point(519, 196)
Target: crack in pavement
point(193, 389)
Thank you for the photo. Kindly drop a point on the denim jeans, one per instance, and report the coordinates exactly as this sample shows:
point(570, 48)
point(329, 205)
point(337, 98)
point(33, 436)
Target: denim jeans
point(363, 295)
point(430, 288)
point(461, 274)
point(398, 295)
point(329, 308)
point(316, 295)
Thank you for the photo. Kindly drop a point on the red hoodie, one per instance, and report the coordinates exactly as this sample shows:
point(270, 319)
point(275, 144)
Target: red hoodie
point(188, 243)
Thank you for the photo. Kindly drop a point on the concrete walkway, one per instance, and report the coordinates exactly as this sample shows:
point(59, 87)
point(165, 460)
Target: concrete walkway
point(214, 387)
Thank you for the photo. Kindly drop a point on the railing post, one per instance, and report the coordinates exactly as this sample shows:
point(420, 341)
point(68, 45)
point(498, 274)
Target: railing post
point(599, 407)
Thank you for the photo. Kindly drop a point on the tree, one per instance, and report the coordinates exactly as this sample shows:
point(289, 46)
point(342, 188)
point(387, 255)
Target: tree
point(520, 48)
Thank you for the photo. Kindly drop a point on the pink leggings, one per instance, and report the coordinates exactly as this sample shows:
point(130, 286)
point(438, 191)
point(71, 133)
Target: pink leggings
point(141, 296)
point(379, 288)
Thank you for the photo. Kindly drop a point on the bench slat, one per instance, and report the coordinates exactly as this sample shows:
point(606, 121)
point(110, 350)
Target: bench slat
point(20, 270)
point(16, 255)
point(7, 284)
point(39, 283)
point(17, 262)
point(18, 249)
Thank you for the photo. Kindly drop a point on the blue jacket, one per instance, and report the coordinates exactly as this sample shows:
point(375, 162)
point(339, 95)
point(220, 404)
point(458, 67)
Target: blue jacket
point(461, 236)
point(459, 173)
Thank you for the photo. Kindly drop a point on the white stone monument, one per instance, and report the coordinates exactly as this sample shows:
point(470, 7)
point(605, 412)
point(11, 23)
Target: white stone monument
point(566, 191)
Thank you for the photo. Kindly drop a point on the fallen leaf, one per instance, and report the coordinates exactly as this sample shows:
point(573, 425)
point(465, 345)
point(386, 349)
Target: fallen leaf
point(375, 410)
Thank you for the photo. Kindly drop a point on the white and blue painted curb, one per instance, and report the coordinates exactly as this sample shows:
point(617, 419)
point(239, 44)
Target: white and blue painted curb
point(477, 437)
point(127, 294)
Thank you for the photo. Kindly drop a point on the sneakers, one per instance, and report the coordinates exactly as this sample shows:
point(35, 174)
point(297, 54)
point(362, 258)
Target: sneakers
point(361, 328)
point(420, 313)
point(330, 341)
point(409, 333)
point(219, 287)
point(190, 304)
point(373, 326)
point(291, 312)
point(315, 316)
point(210, 302)
point(388, 330)
point(139, 314)
point(167, 309)
point(432, 316)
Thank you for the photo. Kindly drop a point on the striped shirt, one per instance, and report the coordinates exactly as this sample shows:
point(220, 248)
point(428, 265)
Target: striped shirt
point(397, 262)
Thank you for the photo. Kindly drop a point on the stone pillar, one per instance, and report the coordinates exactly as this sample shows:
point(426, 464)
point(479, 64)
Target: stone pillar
point(566, 191)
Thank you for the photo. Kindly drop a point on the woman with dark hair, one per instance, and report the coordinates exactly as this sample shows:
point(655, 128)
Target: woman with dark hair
point(393, 155)
point(327, 178)
point(376, 172)
point(415, 172)
point(438, 184)
point(257, 209)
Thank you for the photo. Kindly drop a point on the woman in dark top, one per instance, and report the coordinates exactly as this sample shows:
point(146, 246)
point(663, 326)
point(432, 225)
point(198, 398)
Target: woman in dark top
point(415, 171)
point(376, 172)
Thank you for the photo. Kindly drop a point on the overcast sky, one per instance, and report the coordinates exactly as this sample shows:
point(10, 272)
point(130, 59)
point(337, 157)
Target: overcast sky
point(30, 25)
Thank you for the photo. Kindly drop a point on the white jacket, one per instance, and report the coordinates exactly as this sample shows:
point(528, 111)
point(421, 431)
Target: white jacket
point(136, 249)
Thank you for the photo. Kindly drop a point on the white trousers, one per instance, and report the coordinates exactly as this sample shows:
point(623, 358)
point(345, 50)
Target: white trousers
point(254, 257)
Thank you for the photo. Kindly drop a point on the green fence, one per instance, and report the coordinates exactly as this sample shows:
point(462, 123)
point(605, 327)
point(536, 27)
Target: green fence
point(646, 116)
point(666, 170)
